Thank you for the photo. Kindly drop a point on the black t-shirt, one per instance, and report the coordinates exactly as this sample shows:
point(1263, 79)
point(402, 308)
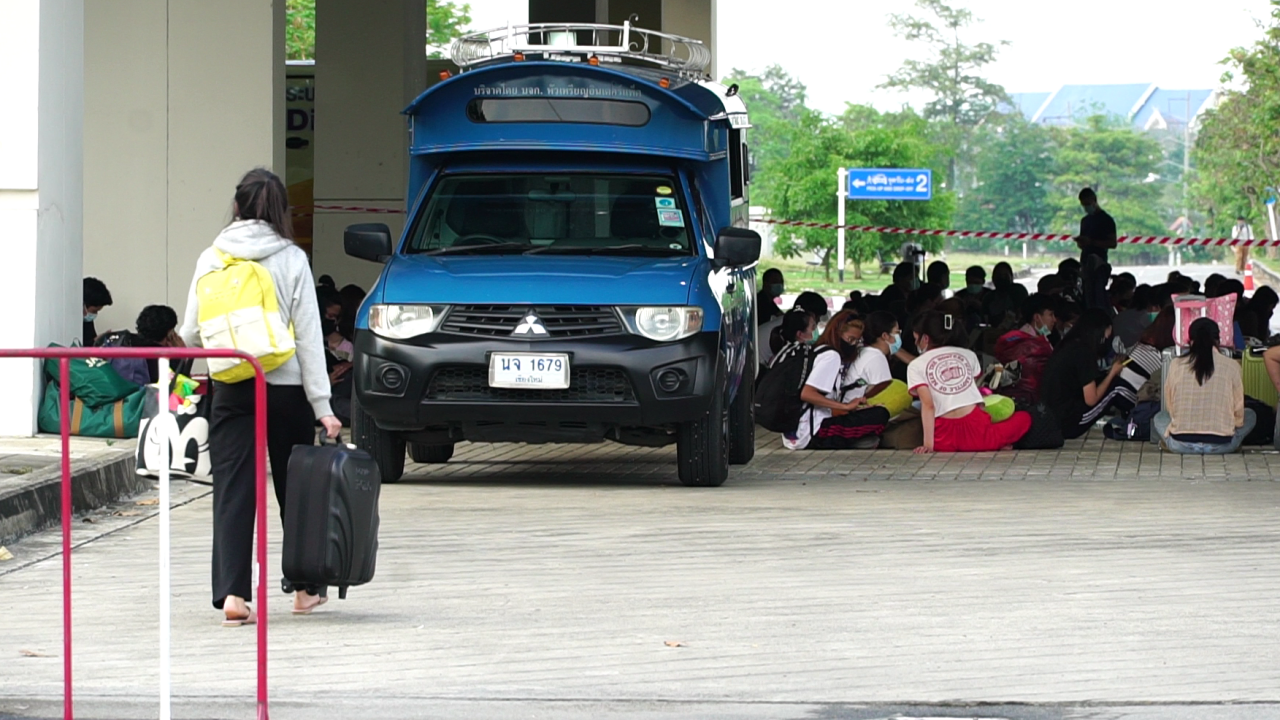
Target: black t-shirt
point(1066, 374)
point(1098, 226)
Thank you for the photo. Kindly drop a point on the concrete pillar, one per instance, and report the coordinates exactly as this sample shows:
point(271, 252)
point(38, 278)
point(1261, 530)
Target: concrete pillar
point(42, 81)
point(181, 99)
point(370, 64)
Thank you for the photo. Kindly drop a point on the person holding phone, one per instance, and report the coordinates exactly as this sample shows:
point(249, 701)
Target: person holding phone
point(1071, 386)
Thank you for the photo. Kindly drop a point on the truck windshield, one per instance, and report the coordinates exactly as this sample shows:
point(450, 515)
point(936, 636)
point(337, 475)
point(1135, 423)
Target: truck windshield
point(553, 214)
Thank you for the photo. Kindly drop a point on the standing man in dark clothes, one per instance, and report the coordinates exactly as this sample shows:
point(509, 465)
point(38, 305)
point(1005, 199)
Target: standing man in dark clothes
point(771, 288)
point(1097, 237)
point(96, 297)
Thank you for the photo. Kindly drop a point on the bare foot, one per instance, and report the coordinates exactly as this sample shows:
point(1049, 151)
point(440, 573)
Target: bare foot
point(304, 602)
point(236, 612)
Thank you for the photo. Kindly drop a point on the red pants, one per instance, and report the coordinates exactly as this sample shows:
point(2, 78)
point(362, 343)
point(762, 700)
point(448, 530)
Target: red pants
point(976, 433)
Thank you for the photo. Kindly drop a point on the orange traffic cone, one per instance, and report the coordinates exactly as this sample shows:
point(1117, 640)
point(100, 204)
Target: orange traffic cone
point(1248, 275)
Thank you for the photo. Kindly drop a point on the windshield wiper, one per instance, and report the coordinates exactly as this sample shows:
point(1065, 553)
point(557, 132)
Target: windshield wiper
point(639, 250)
point(496, 248)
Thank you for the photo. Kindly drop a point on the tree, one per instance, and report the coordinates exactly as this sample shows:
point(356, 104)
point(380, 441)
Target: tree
point(1237, 151)
point(445, 22)
point(1013, 165)
point(961, 96)
point(802, 185)
point(775, 102)
point(1118, 162)
point(300, 29)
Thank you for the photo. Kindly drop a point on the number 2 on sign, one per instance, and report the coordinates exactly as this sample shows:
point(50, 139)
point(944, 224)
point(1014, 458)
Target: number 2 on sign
point(922, 183)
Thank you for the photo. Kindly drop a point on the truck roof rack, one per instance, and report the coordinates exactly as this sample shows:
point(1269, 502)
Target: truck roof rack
point(572, 42)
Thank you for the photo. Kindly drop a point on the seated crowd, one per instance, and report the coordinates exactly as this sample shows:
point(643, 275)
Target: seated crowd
point(920, 366)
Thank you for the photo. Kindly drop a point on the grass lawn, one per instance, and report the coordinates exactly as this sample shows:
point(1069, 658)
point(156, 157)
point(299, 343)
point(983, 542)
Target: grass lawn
point(801, 277)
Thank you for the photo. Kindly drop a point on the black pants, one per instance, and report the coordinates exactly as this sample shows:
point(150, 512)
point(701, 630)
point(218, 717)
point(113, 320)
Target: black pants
point(290, 421)
point(842, 432)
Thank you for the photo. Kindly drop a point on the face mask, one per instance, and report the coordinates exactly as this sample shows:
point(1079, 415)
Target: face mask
point(328, 327)
point(775, 289)
point(974, 289)
point(90, 317)
point(1044, 330)
point(896, 345)
point(1152, 316)
point(915, 283)
point(811, 339)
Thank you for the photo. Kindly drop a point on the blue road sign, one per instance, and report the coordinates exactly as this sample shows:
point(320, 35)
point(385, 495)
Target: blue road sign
point(890, 184)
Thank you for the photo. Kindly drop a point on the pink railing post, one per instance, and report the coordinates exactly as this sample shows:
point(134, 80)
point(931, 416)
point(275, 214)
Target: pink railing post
point(64, 357)
point(64, 413)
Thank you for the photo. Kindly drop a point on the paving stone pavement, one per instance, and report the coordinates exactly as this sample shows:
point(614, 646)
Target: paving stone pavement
point(1101, 573)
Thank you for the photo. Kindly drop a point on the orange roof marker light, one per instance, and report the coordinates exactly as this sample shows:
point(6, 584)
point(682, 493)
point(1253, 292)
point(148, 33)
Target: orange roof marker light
point(664, 83)
point(593, 60)
point(518, 57)
point(445, 74)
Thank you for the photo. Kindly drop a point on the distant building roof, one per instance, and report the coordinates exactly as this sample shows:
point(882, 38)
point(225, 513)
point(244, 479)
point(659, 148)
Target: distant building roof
point(1145, 105)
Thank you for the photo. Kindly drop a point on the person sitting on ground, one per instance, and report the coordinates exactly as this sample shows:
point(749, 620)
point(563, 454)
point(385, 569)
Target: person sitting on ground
point(338, 352)
point(1120, 292)
point(830, 421)
point(815, 305)
point(156, 327)
point(772, 285)
point(1212, 282)
point(96, 297)
point(1070, 385)
point(975, 281)
point(904, 283)
point(1052, 284)
point(1203, 399)
point(1130, 323)
point(797, 328)
point(952, 410)
point(939, 273)
point(1029, 347)
point(1070, 272)
point(326, 281)
point(352, 298)
point(1256, 321)
point(1007, 297)
point(1141, 377)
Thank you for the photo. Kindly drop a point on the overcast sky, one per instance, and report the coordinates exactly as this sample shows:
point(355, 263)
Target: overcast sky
point(841, 50)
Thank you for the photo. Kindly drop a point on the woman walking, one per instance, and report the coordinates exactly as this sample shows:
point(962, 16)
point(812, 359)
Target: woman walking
point(297, 391)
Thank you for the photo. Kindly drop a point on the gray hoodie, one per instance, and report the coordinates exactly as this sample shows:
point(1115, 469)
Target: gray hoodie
point(295, 292)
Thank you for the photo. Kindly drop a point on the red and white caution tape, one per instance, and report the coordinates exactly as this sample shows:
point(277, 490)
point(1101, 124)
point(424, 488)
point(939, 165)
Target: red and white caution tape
point(1129, 239)
point(299, 211)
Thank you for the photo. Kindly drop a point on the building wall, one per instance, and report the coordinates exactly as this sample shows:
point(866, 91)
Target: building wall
point(181, 98)
point(41, 80)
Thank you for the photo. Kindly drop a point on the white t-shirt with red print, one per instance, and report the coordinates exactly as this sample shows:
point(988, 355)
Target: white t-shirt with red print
point(950, 374)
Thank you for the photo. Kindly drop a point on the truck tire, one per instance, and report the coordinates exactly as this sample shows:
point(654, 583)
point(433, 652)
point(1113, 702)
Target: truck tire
point(387, 449)
point(742, 417)
point(430, 454)
point(702, 446)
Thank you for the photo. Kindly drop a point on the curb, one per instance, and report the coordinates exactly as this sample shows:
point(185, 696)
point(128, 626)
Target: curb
point(37, 503)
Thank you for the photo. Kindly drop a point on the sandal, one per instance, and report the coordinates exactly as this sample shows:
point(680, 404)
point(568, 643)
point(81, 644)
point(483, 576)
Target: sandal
point(249, 618)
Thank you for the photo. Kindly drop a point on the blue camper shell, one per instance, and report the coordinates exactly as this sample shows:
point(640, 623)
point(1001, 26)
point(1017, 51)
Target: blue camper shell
point(576, 267)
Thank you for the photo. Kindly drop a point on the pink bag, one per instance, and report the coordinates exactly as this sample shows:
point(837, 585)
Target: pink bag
point(1189, 308)
point(1186, 310)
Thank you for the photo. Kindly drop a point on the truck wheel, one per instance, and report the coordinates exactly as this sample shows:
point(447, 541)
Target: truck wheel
point(702, 446)
point(742, 418)
point(430, 454)
point(387, 449)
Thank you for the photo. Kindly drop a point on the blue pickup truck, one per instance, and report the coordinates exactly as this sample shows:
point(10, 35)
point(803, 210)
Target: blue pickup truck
point(576, 266)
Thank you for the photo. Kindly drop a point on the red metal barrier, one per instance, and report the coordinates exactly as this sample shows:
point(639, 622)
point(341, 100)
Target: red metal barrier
point(64, 357)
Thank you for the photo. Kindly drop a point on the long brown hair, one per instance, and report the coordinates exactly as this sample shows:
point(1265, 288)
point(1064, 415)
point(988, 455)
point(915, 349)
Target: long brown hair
point(835, 328)
point(261, 195)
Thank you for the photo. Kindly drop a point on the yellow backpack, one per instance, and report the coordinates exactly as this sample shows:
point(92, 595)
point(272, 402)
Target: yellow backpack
point(238, 310)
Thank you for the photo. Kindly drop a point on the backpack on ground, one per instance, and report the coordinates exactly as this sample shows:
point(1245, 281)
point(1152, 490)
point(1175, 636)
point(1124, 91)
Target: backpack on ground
point(1265, 427)
point(777, 401)
point(239, 311)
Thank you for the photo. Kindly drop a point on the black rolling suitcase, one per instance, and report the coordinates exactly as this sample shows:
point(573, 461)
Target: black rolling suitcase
point(331, 517)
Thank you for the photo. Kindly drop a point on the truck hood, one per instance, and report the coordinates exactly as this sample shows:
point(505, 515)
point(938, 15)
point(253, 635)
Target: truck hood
point(539, 279)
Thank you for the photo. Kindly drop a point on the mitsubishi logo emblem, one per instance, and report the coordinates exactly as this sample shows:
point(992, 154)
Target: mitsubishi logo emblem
point(530, 325)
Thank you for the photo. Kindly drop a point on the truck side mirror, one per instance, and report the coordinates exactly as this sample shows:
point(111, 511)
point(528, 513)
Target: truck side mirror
point(368, 241)
point(737, 247)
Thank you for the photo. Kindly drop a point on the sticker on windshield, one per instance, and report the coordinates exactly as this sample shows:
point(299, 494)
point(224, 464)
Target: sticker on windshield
point(663, 190)
point(670, 218)
point(665, 203)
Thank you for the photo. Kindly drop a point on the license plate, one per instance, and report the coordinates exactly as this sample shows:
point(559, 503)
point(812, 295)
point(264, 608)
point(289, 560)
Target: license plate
point(535, 371)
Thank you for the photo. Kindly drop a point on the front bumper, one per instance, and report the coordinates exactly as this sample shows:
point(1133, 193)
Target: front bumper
point(614, 383)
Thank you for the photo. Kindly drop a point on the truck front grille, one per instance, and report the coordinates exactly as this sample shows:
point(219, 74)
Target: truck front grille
point(561, 321)
point(470, 383)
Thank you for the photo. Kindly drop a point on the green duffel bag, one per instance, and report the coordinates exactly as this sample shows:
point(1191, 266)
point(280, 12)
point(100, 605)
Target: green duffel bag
point(93, 380)
point(119, 419)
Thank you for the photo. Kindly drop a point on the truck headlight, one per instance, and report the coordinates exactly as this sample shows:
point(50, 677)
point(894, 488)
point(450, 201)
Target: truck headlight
point(664, 323)
point(401, 322)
